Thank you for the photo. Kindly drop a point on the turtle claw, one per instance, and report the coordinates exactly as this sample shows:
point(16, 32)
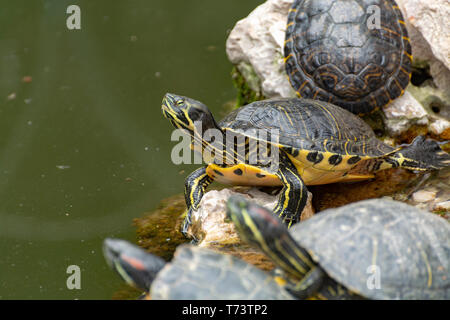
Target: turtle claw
point(288, 219)
point(186, 223)
point(185, 227)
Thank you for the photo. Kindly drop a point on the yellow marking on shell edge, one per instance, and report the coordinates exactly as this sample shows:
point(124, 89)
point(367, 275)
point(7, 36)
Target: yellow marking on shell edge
point(334, 120)
point(430, 274)
point(345, 148)
point(292, 10)
point(290, 24)
point(402, 22)
point(280, 281)
point(375, 252)
point(404, 71)
point(287, 58)
point(406, 38)
point(325, 145)
point(288, 40)
point(408, 55)
point(395, 7)
point(302, 86)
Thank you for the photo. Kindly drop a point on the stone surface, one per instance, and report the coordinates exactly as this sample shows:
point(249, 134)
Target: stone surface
point(209, 223)
point(431, 192)
point(429, 30)
point(402, 113)
point(430, 18)
point(423, 196)
point(256, 43)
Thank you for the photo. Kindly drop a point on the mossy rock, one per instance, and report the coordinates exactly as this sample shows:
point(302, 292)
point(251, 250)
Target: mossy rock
point(159, 231)
point(247, 84)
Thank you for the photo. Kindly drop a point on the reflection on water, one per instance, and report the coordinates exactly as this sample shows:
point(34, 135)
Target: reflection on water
point(83, 145)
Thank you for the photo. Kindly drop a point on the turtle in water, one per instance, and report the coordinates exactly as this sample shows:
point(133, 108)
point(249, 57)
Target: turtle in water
point(353, 53)
point(194, 273)
point(376, 249)
point(299, 142)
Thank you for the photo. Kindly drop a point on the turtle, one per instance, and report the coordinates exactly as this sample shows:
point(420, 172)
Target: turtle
point(299, 142)
point(193, 273)
point(372, 249)
point(352, 53)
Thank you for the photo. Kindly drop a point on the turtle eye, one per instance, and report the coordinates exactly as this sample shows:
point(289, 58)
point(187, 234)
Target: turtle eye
point(179, 103)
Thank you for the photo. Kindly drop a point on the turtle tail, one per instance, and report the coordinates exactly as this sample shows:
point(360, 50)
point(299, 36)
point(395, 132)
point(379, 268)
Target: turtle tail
point(422, 154)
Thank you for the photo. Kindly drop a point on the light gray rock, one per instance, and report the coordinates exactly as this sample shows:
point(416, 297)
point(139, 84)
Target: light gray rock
point(431, 192)
point(257, 41)
point(431, 19)
point(209, 223)
point(429, 30)
point(403, 113)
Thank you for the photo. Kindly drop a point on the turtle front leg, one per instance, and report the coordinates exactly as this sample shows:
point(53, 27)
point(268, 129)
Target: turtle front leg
point(293, 196)
point(194, 189)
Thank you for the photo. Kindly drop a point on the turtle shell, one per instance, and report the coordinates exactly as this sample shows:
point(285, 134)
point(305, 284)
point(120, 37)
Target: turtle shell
point(305, 124)
point(409, 248)
point(198, 273)
point(353, 53)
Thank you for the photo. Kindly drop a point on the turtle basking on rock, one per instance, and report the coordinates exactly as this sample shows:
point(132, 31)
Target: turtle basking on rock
point(310, 142)
point(376, 249)
point(354, 53)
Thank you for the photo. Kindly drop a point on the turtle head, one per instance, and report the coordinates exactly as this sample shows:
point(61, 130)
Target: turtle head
point(261, 228)
point(137, 267)
point(254, 223)
point(187, 113)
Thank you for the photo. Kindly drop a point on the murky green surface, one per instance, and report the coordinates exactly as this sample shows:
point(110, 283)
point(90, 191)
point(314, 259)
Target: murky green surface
point(83, 146)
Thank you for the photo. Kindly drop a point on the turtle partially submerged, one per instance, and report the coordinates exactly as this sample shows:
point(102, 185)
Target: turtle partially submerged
point(377, 249)
point(353, 53)
point(194, 273)
point(310, 142)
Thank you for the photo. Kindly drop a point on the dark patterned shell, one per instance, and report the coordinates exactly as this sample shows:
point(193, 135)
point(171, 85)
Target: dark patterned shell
point(410, 247)
point(307, 125)
point(197, 273)
point(334, 52)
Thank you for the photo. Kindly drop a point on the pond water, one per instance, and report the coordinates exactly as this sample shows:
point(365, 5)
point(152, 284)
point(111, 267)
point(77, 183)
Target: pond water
point(84, 147)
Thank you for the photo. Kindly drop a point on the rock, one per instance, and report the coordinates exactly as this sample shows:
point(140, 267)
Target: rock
point(402, 113)
point(429, 30)
point(430, 18)
point(431, 193)
point(256, 43)
point(423, 196)
point(209, 223)
point(439, 127)
point(255, 46)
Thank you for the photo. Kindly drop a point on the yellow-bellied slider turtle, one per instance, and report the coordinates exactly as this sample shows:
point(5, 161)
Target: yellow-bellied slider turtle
point(310, 142)
point(378, 249)
point(353, 53)
point(194, 273)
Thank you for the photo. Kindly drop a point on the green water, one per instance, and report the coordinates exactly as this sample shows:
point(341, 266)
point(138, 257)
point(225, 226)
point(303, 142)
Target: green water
point(83, 147)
